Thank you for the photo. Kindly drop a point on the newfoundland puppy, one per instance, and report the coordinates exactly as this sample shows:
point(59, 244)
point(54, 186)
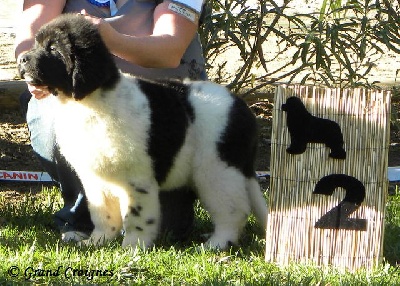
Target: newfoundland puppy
point(129, 138)
point(305, 128)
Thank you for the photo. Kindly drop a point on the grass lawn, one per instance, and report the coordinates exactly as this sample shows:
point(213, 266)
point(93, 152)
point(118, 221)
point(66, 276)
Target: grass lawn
point(31, 252)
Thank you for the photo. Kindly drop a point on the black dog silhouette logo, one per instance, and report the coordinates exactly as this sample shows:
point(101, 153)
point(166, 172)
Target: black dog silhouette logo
point(305, 128)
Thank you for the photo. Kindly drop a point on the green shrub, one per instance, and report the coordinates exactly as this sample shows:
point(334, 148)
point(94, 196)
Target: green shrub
point(339, 45)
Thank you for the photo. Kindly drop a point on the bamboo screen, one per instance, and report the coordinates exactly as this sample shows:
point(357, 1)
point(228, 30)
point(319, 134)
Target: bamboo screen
point(322, 227)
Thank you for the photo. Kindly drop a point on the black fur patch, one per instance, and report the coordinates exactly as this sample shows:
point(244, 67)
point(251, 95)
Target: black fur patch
point(238, 145)
point(150, 221)
point(170, 119)
point(141, 191)
point(139, 228)
point(135, 211)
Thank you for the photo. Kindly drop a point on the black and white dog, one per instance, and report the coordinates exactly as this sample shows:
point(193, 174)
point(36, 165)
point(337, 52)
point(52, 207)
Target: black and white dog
point(130, 138)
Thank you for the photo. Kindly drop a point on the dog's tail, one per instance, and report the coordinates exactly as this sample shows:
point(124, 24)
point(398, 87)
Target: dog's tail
point(257, 201)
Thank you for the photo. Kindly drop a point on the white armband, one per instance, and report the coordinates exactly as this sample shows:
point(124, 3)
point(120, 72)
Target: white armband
point(185, 10)
point(196, 5)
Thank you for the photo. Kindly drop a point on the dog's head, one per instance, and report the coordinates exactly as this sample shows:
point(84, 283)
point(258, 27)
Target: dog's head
point(294, 105)
point(69, 56)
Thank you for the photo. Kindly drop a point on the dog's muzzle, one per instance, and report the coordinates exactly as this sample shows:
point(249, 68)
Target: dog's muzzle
point(22, 60)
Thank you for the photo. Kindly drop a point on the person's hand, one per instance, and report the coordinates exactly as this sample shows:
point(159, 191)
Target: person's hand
point(106, 31)
point(39, 92)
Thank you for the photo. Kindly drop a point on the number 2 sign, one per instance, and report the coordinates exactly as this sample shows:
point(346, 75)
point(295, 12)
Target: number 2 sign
point(328, 176)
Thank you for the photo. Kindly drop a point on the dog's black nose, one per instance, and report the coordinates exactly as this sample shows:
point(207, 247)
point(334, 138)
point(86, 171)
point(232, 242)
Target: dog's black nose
point(22, 61)
point(24, 58)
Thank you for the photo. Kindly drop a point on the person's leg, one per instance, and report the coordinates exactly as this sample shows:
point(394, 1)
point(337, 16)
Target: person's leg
point(177, 209)
point(74, 216)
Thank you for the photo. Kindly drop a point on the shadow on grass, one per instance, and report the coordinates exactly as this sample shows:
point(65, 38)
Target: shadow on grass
point(391, 244)
point(27, 217)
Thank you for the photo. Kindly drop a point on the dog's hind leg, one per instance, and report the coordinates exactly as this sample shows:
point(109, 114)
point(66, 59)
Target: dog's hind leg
point(141, 216)
point(222, 191)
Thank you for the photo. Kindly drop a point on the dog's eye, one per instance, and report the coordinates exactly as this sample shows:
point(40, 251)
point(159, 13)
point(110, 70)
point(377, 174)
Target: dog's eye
point(53, 50)
point(50, 46)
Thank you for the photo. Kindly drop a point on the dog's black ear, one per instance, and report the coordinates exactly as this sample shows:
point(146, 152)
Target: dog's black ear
point(82, 83)
point(92, 71)
point(94, 66)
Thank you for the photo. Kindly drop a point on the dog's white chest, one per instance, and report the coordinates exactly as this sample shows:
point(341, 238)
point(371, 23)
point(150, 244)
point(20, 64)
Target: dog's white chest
point(80, 131)
point(95, 141)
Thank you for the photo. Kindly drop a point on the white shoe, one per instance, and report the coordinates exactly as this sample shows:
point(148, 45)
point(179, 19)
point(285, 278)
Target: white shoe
point(74, 236)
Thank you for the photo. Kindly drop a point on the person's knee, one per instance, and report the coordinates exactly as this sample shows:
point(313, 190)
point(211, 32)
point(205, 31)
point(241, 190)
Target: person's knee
point(24, 99)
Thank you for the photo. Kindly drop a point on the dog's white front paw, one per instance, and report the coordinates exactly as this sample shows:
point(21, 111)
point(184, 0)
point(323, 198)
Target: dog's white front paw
point(73, 236)
point(97, 238)
point(135, 241)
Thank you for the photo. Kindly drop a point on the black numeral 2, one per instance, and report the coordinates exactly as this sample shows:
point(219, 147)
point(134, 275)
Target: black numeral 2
point(338, 217)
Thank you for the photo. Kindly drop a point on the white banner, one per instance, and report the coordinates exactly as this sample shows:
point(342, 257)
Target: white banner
point(28, 176)
point(24, 176)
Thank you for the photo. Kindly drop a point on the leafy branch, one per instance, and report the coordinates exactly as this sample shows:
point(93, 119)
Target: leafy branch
point(338, 45)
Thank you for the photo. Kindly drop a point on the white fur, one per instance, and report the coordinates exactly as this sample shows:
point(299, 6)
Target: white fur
point(104, 137)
